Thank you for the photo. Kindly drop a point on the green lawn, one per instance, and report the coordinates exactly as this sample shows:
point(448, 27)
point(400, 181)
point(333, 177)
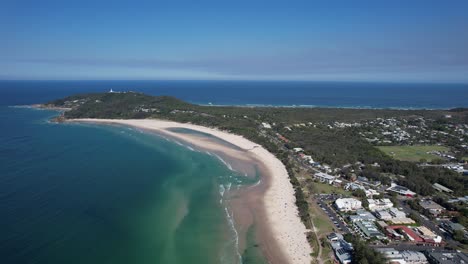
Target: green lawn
point(412, 153)
point(319, 187)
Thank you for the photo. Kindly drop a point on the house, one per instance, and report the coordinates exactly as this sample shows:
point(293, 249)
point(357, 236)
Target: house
point(323, 177)
point(343, 250)
point(452, 227)
point(347, 204)
point(297, 150)
point(433, 207)
point(441, 188)
point(379, 204)
point(401, 190)
point(371, 193)
point(266, 125)
point(366, 181)
point(337, 183)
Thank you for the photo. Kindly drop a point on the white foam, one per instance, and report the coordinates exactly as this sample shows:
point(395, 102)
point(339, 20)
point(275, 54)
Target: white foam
point(224, 162)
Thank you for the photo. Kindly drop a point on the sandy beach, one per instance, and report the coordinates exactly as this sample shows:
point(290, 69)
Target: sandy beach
point(283, 225)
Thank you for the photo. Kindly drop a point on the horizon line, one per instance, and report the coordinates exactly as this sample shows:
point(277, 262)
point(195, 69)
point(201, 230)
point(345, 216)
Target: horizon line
point(238, 80)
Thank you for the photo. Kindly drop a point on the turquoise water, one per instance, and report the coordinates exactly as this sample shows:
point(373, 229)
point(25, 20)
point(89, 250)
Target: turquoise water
point(72, 193)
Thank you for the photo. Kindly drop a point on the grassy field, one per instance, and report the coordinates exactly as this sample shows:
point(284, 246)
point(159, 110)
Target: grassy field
point(319, 187)
point(412, 153)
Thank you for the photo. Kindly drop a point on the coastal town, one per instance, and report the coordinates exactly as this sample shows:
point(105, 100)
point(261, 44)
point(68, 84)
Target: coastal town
point(402, 225)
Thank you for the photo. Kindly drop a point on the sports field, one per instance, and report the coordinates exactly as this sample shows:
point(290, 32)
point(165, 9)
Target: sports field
point(412, 153)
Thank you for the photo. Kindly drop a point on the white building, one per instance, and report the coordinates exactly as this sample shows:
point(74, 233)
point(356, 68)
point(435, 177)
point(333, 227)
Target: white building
point(348, 204)
point(379, 204)
point(297, 150)
point(323, 177)
point(397, 213)
point(401, 190)
point(266, 125)
point(383, 214)
point(371, 192)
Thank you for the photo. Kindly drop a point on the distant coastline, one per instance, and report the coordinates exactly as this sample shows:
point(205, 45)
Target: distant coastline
point(362, 95)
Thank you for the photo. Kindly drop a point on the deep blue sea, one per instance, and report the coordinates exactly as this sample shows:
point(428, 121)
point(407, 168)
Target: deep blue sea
point(73, 193)
point(324, 94)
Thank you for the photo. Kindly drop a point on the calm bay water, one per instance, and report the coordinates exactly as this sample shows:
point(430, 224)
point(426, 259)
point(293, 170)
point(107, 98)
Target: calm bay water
point(101, 194)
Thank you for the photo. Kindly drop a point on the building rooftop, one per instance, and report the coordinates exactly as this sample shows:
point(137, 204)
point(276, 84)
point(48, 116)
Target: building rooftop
point(413, 256)
point(447, 257)
point(430, 205)
point(368, 229)
point(400, 190)
point(409, 233)
point(324, 176)
point(441, 188)
point(362, 215)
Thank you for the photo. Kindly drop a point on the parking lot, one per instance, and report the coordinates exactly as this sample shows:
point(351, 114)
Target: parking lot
point(337, 220)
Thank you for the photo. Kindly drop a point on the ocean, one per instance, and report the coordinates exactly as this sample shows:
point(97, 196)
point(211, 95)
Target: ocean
point(75, 193)
point(322, 94)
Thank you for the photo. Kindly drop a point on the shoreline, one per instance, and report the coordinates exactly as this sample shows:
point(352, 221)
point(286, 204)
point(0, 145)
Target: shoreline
point(270, 204)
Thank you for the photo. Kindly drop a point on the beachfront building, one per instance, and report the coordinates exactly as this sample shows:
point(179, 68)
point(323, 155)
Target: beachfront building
point(347, 204)
point(401, 190)
point(323, 177)
point(379, 204)
point(367, 229)
point(431, 206)
point(342, 249)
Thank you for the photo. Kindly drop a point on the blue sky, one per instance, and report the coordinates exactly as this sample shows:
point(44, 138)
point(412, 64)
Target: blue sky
point(420, 41)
